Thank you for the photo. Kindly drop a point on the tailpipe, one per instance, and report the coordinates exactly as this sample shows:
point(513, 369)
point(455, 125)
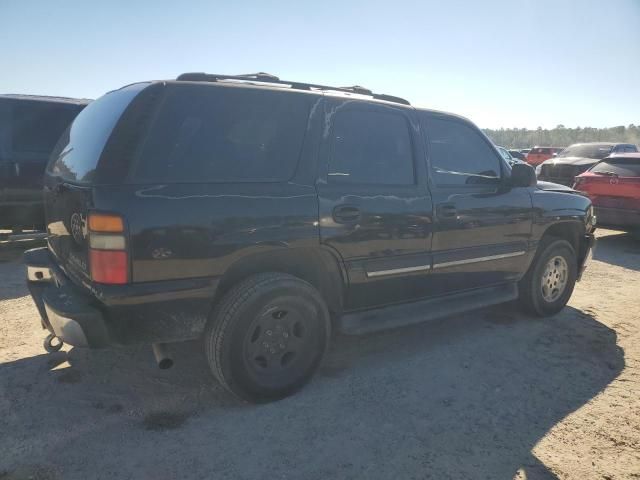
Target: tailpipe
point(163, 359)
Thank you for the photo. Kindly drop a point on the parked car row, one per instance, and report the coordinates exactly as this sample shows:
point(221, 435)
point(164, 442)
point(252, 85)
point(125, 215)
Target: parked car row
point(578, 158)
point(608, 173)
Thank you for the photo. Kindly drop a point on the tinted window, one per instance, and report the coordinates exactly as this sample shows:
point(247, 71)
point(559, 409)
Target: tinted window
point(459, 155)
point(624, 167)
point(204, 133)
point(630, 148)
point(38, 126)
point(78, 150)
point(371, 147)
point(597, 151)
point(505, 154)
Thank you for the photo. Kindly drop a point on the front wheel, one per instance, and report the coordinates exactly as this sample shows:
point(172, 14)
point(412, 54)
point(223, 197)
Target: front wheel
point(549, 283)
point(267, 336)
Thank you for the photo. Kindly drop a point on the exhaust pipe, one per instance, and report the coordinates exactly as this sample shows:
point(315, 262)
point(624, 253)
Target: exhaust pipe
point(163, 359)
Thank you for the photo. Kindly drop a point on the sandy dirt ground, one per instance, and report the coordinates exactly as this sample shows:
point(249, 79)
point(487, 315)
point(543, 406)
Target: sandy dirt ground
point(492, 394)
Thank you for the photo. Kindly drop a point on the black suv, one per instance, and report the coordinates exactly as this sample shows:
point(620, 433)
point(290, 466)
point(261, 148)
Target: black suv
point(577, 159)
point(30, 126)
point(258, 215)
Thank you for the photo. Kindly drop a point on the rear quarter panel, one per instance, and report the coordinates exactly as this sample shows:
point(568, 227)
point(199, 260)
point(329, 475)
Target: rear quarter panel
point(200, 230)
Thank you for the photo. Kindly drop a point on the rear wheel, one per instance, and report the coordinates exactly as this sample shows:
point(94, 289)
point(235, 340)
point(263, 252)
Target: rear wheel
point(267, 336)
point(549, 283)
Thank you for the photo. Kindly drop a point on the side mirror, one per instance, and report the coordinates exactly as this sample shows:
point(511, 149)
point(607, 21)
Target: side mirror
point(522, 175)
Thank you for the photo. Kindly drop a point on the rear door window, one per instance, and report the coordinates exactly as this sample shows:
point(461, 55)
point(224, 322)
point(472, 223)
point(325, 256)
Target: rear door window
point(459, 154)
point(37, 126)
point(371, 147)
point(204, 133)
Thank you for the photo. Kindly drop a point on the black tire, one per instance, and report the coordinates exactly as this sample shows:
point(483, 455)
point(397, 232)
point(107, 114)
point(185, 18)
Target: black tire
point(540, 300)
point(267, 336)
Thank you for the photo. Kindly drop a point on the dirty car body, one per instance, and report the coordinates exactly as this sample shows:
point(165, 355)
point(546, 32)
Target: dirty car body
point(167, 196)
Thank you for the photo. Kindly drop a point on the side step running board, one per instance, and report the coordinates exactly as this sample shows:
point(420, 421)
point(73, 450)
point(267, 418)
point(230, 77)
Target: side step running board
point(394, 316)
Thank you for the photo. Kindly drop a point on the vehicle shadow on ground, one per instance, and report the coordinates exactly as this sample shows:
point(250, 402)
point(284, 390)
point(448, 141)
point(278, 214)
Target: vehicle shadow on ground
point(464, 397)
point(620, 249)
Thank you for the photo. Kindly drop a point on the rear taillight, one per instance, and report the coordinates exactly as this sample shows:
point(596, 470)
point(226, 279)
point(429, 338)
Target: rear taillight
point(579, 181)
point(108, 257)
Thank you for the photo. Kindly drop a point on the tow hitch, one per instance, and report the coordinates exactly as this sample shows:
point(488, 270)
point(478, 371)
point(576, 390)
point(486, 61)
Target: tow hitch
point(52, 343)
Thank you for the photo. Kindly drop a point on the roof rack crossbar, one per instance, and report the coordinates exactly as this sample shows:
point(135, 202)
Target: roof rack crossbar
point(268, 78)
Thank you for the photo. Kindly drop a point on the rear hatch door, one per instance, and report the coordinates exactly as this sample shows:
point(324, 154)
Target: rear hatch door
point(75, 168)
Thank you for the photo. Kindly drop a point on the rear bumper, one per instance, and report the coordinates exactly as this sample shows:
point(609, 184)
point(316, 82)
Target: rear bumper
point(617, 217)
point(65, 310)
point(143, 313)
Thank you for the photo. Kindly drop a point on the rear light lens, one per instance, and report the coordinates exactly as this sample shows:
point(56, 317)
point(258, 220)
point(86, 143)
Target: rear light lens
point(106, 223)
point(108, 256)
point(109, 266)
point(106, 242)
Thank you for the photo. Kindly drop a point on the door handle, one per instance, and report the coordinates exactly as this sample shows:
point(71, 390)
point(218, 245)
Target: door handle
point(346, 214)
point(447, 210)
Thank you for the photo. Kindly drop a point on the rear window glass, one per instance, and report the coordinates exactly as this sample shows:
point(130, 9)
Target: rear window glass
point(76, 155)
point(623, 167)
point(223, 134)
point(597, 151)
point(37, 126)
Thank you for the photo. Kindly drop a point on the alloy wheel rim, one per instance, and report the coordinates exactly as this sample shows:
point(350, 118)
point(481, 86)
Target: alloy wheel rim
point(554, 279)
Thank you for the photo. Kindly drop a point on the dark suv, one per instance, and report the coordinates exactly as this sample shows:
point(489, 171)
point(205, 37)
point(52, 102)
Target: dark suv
point(29, 129)
point(578, 158)
point(257, 215)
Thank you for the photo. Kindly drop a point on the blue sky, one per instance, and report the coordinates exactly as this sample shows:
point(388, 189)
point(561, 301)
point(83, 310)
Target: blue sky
point(501, 63)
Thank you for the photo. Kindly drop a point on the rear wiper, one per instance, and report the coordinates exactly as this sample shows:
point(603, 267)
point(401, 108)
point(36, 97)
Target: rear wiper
point(609, 174)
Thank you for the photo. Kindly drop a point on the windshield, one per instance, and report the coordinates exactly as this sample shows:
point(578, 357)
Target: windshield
point(592, 150)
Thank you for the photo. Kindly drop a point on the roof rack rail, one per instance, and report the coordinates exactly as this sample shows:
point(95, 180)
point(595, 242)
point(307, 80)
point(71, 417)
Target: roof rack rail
point(268, 78)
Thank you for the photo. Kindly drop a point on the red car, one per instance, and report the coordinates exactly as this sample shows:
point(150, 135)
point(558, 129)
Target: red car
point(613, 185)
point(537, 155)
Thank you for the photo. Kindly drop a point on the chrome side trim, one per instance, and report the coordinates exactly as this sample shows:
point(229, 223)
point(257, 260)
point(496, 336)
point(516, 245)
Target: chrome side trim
point(38, 274)
point(478, 259)
point(382, 273)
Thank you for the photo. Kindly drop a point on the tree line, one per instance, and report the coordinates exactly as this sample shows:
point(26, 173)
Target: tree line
point(562, 136)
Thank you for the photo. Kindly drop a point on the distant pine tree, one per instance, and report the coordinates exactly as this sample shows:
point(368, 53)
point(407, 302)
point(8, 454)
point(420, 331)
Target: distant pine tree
point(562, 136)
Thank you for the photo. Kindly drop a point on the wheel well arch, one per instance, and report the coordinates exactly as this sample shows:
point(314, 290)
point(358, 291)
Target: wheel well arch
point(569, 231)
point(317, 266)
